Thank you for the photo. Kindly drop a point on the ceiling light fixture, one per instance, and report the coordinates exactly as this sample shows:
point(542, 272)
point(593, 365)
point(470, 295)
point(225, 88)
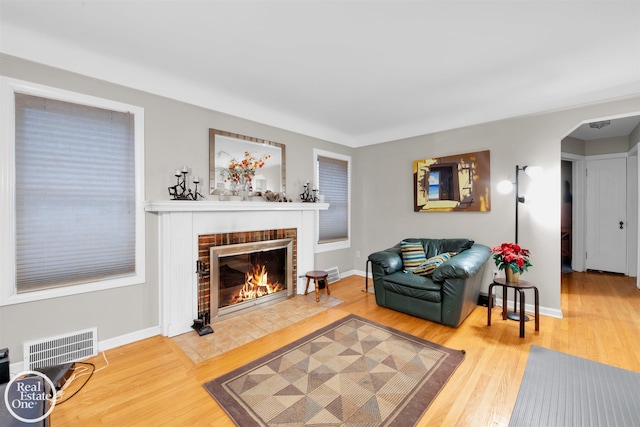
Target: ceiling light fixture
point(599, 125)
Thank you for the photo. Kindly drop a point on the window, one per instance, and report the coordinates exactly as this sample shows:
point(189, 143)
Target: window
point(333, 175)
point(74, 215)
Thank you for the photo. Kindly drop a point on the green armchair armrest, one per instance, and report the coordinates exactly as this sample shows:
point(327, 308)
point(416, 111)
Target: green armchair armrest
point(463, 265)
point(388, 261)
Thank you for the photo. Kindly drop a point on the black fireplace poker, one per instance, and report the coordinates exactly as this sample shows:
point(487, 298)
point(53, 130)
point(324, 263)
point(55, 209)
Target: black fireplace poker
point(201, 324)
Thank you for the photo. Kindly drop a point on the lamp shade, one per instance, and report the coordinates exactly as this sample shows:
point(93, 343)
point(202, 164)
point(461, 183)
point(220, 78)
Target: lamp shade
point(505, 187)
point(533, 171)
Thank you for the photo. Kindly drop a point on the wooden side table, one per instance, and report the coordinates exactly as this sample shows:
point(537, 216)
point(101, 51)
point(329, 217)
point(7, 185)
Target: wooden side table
point(519, 288)
point(316, 275)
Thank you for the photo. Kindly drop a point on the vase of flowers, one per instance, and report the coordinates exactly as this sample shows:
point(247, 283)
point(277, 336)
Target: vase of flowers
point(239, 173)
point(512, 258)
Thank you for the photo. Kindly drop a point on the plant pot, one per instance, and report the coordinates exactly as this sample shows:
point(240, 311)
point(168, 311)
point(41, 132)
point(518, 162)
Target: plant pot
point(511, 276)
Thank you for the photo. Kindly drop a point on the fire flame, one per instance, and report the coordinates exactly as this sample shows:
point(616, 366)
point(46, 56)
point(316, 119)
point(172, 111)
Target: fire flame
point(256, 284)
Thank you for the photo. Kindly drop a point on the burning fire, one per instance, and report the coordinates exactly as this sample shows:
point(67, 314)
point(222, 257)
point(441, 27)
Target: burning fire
point(257, 284)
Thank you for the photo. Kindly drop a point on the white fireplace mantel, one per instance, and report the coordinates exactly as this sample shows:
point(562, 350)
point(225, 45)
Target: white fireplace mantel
point(216, 206)
point(181, 222)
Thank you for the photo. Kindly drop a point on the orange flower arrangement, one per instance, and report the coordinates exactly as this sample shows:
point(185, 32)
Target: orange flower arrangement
point(511, 255)
point(243, 170)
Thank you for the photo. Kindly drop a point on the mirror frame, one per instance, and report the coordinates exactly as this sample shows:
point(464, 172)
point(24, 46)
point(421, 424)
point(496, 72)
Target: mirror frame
point(241, 138)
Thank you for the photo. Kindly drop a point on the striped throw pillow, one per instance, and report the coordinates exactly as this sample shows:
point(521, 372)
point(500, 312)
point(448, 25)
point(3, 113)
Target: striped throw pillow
point(412, 255)
point(428, 267)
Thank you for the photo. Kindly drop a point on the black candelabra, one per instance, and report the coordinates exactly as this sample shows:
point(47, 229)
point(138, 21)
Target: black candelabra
point(309, 195)
point(181, 190)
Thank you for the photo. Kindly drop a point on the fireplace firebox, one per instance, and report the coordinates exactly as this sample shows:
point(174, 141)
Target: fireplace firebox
point(249, 274)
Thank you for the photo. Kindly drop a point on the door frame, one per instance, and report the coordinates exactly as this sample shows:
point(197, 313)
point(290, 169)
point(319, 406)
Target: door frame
point(633, 202)
point(578, 224)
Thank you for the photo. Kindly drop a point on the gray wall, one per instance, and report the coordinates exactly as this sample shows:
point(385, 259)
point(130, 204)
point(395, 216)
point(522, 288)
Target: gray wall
point(634, 137)
point(177, 134)
point(600, 146)
point(384, 182)
point(596, 147)
point(573, 145)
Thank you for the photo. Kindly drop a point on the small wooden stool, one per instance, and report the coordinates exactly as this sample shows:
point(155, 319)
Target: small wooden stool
point(317, 275)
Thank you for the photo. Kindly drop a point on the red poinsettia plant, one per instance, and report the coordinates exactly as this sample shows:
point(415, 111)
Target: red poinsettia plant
point(511, 255)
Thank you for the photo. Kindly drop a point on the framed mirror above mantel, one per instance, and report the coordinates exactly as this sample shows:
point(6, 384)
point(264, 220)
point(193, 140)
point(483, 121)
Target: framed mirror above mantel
point(226, 148)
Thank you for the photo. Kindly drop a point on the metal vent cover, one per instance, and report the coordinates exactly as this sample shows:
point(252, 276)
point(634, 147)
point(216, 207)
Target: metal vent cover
point(60, 349)
point(334, 275)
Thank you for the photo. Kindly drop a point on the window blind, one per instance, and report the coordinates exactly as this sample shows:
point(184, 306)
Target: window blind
point(75, 193)
point(333, 183)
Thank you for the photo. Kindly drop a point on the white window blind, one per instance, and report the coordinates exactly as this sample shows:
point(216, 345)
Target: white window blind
point(333, 183)
point(75, 212)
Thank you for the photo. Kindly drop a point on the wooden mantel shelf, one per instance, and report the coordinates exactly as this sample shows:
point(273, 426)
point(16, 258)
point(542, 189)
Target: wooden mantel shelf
point(230, 206)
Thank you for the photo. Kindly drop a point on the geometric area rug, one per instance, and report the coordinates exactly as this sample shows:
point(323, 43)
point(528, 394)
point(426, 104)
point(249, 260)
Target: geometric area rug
point(353, 372)
point(562, 390)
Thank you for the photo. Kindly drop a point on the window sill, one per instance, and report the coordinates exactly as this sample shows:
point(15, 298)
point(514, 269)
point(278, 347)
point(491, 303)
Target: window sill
point(20, 298)
point(333, 246)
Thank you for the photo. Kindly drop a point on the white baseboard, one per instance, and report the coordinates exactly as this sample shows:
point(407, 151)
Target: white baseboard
point(530, 308)
point(107, 344)
point(348, 273)
point(129, 338)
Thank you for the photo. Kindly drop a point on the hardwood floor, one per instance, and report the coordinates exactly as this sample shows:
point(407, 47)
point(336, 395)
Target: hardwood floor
point(153, 383)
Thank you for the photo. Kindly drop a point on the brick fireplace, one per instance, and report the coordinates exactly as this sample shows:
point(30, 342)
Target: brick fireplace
point(181, 224)
point(208, 297)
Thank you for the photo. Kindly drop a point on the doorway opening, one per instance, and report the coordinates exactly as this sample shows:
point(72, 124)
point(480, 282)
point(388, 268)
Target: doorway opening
point(593, 147)
point(566, 231)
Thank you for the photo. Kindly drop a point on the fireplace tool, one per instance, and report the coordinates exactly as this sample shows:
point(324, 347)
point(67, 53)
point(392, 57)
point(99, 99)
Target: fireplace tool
point(201, 324)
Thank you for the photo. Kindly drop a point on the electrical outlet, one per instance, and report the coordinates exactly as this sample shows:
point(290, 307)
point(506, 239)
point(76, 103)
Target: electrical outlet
point(357, 254)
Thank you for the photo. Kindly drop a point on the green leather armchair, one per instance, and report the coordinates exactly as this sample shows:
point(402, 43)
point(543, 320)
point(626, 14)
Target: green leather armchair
point(447, 296)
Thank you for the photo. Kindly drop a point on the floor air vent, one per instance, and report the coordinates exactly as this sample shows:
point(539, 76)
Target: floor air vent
point(60, 349)
point(334, 275)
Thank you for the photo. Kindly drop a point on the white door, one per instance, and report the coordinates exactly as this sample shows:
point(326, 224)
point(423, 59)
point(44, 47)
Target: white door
point(606, 215)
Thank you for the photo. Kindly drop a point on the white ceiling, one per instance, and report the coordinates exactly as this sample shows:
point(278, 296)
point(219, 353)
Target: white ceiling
point(352, 72)
point(616, 127)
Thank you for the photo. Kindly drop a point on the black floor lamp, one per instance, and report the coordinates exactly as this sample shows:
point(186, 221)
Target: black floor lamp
point(519, 198)
point(506, 186)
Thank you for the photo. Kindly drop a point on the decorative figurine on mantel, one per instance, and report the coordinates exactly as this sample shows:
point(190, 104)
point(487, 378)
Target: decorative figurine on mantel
point(180, 191)
point(309, 195)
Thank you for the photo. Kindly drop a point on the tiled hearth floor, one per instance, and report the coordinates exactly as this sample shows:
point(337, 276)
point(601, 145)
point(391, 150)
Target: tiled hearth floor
point(236, 331)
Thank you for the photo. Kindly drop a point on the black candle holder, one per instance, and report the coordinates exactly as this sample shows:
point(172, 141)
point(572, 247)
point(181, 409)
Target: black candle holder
point(309, 195)
point(181, 191)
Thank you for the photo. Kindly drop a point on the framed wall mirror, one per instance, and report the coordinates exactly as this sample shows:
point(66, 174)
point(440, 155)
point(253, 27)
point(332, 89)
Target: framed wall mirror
point(225, 148)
